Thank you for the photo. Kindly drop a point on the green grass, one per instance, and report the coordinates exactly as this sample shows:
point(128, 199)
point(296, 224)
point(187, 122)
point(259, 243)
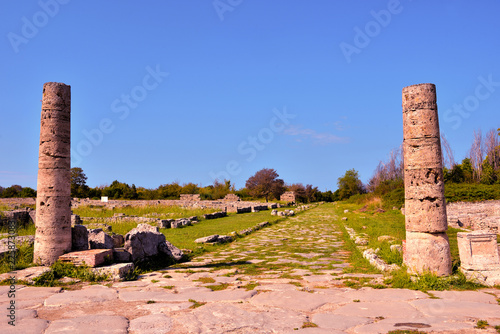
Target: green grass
point(195, 304)
point(218, 287)
point(205, 280)
point(184, 237)
point(391, 223)
point(251, 286)
point(309, 324)
point(59, 270)
point(430, 282)
point(482, 324)
point(28, 229)
point(168, 287)
point(154, 211)
point(24, 259)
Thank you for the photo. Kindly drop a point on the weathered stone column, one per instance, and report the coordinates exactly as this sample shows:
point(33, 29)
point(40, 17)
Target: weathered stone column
point(53, 202)
point(427, 245)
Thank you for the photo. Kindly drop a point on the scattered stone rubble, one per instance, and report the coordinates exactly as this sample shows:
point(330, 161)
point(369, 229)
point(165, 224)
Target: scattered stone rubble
point(214, 239)
point(146, 241)
point(361, 240)
point(21, 217)
point(215, 215)
point(232, 198)
point(288, 197)
point(223, 204)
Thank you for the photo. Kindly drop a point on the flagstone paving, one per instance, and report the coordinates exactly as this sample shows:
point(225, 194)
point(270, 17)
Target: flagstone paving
point(276, 280)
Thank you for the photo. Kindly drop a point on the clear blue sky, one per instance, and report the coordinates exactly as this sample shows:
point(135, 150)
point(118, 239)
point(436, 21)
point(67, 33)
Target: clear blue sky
point(184, 90)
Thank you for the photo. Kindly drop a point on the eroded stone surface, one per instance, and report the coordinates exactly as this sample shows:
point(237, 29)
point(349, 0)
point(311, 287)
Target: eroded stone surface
point(425, 206)
point(106, 324)
point(53, 214)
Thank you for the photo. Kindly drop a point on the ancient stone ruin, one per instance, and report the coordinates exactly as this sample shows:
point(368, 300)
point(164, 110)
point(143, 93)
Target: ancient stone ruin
point(288, 196)
point(232, 198)
point(53, 214)
point(479, 256)
point(191, 197)
point(427, 245)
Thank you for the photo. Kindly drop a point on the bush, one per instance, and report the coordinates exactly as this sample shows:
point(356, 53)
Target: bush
point(394, 198)
point(469, 192)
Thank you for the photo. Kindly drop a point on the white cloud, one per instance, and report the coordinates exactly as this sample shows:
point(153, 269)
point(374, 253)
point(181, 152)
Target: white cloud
point(318, 138)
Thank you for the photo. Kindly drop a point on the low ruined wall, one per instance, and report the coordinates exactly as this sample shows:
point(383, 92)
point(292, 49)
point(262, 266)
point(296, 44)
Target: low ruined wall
point(475, 216)
point(221, 205)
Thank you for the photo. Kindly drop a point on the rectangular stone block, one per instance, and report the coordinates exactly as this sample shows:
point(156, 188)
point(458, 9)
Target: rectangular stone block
point(428, 252)
point(54, 182)
point(478, 250)
point(422, 153)
point(426, 215)
point(53, 148)
point(117, 271)
point(92, 257)
point(46, 162)
point(54, 206)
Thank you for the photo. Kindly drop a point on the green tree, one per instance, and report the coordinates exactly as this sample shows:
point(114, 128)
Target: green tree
point(467, 170)
point(349, 184)
point(12, 191)
point(27, 192)
point(79, 186)
point(488, 176)
point(265, 183)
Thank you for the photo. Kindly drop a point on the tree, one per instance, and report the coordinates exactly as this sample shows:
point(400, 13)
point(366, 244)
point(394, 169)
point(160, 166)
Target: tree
point(476, 154)
point(79, 186)
point(388, 175)
point(299, 191)
point(27, 192)
point(349, 184)
point(12, 191)
point(312, 193)
point(492, 148)
point(265, 183)
point(448, 158)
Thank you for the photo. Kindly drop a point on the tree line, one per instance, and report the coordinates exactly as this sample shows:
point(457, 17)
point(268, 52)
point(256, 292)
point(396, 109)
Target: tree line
point(264, 184)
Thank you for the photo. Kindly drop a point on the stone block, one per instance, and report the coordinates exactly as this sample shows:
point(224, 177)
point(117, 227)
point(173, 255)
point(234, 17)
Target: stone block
point(165, 223)
point(424, 183)
point(120, 255)
point(98, 239)
point(427, 252)
point(79, 238)
point(422, 153)
point(115, 272)
point(421, 123)
point(118, 240)
point(478, 250)
point(426, 215)
point(210, 238)
point(92, 257)
point(421, 96)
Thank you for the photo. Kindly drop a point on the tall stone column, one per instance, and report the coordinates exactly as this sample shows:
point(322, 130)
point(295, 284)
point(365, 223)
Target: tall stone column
point(53, 202)
point(427, 245)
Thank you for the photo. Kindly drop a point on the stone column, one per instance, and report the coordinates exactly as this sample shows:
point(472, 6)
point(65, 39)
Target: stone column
point(53, 202)
point(427, 245)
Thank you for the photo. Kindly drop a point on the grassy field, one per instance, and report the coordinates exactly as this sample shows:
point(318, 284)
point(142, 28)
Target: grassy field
point(389, 223)
point(154, 211)
point(184, 237)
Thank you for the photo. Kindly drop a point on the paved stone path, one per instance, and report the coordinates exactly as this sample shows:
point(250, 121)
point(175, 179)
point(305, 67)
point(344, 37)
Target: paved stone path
point(276, 280)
